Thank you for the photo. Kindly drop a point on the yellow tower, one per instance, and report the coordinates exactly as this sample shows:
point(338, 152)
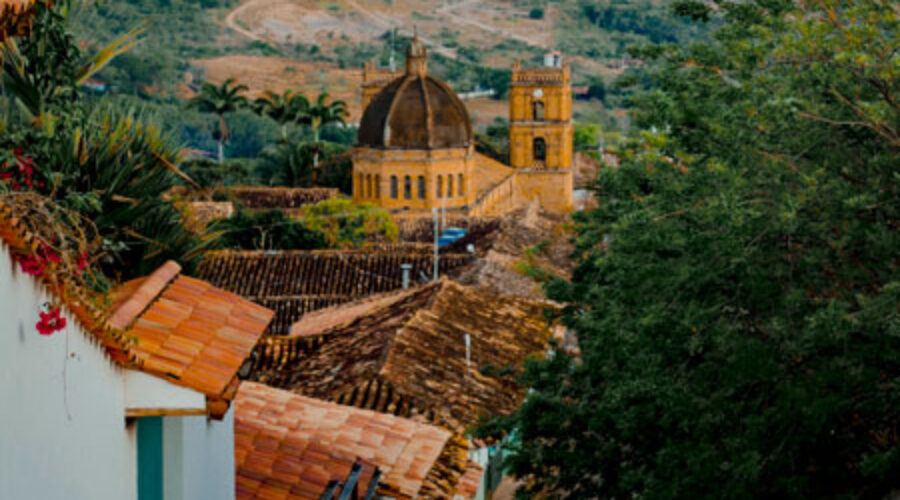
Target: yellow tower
point(541, 132)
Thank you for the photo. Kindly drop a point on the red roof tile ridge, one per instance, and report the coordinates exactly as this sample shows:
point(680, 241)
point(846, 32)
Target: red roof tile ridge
point(321, 321)
point(144, 295)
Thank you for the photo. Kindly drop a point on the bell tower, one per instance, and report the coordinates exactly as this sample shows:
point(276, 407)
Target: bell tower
point(541, 133)
point(540, 115)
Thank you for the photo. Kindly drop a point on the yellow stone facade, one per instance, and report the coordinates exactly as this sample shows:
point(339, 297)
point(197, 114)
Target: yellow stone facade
point(540, 109)
point(410, 179)
point(414, 180)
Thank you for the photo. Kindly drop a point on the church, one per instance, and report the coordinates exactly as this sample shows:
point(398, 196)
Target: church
point(416, 151)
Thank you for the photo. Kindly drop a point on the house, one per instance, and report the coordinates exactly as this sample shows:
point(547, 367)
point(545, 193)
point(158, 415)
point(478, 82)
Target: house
point(440, 352)
point(128, 399)
point(293, 447)
point(293, 283)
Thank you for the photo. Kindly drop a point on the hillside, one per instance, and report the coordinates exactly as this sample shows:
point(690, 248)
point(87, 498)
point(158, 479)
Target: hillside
point(317, 45)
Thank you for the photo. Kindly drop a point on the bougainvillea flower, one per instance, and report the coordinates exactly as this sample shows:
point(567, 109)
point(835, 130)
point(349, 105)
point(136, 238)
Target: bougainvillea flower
point(81, 262)
point(51, 322)
point(33, 265)
point(50, 254)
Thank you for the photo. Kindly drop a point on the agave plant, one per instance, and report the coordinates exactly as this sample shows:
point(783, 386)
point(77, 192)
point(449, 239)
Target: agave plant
point(111, 165)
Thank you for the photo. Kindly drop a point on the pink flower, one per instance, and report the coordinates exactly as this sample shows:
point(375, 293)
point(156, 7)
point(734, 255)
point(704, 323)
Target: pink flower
point(51, 321)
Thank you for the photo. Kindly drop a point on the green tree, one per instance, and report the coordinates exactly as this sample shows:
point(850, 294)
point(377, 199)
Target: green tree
point(221, 100)
point(285, 109)
point(322, 113)
point(271, 230)
point(348, 225)
point(736, 297)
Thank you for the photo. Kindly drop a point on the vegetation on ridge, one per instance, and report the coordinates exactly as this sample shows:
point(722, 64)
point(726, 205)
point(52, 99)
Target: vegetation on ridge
point(736, 298)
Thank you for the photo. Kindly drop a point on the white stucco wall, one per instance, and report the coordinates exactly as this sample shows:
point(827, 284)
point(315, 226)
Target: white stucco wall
point(62, 423)
point(146, 392)
point(199, 458)
point(63, 431)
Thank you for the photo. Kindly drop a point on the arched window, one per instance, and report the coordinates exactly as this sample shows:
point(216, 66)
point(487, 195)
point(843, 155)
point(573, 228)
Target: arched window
point(440, 186)
point(368, 185)
point(537, 108)
point(361, 185)
point(540, 149)
point(421, 187)
point(449, 185)
point(394, 187)
point(407, 187)
point(461, 189)
point(378, 186)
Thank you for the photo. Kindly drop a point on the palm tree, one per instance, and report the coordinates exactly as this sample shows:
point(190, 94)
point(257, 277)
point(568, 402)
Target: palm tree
point(220, 100)
point(324, 113)
point(283, 109)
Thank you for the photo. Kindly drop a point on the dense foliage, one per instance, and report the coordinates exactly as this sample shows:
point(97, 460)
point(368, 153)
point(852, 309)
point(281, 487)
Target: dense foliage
point(345, 224)
point(736, 298)
point(270, 230)
point(105, 162)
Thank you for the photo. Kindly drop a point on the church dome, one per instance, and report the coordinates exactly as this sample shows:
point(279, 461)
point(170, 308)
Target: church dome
point(416, 111)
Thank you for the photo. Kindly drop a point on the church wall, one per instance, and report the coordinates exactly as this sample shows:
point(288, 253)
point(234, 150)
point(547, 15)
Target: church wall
point(552, 187)
point(431, 164)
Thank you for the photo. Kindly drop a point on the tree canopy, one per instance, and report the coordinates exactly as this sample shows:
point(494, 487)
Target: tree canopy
point(736, 298)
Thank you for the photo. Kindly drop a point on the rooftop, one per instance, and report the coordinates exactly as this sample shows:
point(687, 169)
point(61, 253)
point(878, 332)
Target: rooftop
point(405, 353)
point(294, 283)
point(289, 446)
point(187, 331)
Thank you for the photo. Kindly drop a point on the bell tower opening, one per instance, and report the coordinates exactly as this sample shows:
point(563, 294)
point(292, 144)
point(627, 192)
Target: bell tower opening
point(539, 148)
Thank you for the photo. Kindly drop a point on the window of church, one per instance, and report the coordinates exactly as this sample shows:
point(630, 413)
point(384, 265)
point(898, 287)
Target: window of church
point(378, 186)
point(537, 108)
point(540, 149)
point(394, 187)
point(369, 186)
point(450, 185)
point(461, 190)
point(407, 187)
point(440, 186)
point(421, 187)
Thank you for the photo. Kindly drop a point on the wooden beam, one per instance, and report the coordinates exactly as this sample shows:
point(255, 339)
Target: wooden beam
point(163, 412)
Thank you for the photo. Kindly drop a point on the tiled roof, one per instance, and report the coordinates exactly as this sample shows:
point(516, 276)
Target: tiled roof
point(188, 331)
point(297, 282)
point(471, 480)
point(166, 324)
point(281, 197)
point(261, 198)
point(408, 356)
point(289, 446)
point(319, 321)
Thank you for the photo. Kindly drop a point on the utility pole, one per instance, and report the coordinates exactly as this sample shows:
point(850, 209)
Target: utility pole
point(434, 212)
